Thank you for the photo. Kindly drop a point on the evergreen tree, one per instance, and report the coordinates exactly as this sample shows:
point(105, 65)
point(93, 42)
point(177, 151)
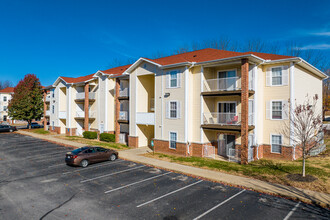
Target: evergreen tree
point(27, 101)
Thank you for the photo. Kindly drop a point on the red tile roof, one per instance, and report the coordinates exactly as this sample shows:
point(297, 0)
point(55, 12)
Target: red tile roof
point(117, 71)
point(7, 90)
point(78, 79)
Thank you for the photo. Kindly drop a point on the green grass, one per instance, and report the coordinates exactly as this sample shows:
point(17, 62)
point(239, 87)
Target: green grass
point(96, 143)
point(40, 131)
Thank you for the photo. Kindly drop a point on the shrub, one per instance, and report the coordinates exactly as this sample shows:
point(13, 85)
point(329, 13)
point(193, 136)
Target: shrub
point(90, 134)
point(107, 137)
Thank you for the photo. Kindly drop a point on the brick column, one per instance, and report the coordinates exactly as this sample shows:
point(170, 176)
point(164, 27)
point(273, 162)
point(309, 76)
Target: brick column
point(117, 110)
point(86, 121)
point(45, 109)
point(244, 111)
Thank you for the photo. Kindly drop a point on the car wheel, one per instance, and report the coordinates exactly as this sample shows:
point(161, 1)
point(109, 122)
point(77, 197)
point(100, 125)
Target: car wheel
point(84, 163)
point(113, 157)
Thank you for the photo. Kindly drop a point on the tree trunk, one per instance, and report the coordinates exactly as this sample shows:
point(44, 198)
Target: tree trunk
point(29, 124)
point(303, 167)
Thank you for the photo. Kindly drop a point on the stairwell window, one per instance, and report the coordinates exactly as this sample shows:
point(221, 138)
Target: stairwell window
point(276, 142)
point(277, 76)
point(5, 98)
point(172, 109)
point(173, 79)
point(276, 110)
point(173, 139)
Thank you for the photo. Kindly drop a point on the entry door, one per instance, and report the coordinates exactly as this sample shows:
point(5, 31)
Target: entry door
point(227, 80)
point(230, 145)
point(226, 112)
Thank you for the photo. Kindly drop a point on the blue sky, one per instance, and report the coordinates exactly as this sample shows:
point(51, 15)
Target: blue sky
point(73, 38)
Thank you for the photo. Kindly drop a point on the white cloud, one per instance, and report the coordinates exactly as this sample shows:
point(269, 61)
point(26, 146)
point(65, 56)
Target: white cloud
point(315, 47)
point(324, 33)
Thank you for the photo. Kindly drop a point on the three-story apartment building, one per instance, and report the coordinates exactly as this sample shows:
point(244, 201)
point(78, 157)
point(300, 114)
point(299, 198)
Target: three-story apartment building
point(208, 103)
point(5, 96)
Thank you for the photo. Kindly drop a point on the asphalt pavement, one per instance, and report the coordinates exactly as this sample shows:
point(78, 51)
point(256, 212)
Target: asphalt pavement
point(35, 183)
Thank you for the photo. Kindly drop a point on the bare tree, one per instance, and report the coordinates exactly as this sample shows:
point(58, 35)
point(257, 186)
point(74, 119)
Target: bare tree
point(326, 94)
point(306, 122)
point(5, 84)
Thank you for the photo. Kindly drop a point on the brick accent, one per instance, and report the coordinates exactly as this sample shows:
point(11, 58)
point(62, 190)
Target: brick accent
point(287, 153)
point(86, 105)
point(57, 129)
point(133, 141)
point(117, 111)
point(196, 150)
point(244, 111)
point(45, 109)
point(163, 147)
point(73, 131)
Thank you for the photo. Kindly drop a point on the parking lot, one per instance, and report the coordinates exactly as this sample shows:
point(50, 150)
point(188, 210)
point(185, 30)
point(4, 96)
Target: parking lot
point(35, 183)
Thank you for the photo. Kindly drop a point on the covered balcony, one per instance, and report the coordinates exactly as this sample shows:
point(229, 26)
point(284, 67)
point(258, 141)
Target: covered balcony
point(81, 114)
point(48, 113)
point(225, 121)
point(62, 115)
point(81, 96)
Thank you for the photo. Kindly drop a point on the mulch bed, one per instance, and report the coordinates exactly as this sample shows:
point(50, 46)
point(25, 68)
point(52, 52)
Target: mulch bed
point(299, 178)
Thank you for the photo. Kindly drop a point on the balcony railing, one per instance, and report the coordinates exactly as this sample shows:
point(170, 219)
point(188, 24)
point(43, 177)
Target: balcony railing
point(48, 113)
point(225, 84)
point(122, 138)
point(81, 114)
point(47, 98)
point(124, 92)
point(62, 114)
point(123, 115)
point(152, 104)
point(81, 95)
point(225, 118)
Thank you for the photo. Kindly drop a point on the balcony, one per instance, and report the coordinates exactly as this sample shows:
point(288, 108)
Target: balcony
point(81, 96)
point(123, 93)
point(62, 115)
point(225, 121)
point(122, 138)
point(145, 118)
point(47, 98)
point(225, 86)
point(48, 113)
point(81, 114)
point(123, 116)
point(152, 104)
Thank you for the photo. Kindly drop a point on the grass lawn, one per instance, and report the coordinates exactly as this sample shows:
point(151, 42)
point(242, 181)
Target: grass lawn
point(82, 140)
point(38, 131)
point(275, 171)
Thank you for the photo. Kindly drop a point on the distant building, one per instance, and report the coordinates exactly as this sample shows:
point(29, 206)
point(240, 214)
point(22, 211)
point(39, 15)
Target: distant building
point(5, 96)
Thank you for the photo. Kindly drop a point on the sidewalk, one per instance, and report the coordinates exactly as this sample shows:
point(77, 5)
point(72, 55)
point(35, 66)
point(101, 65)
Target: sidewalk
point(304, 195)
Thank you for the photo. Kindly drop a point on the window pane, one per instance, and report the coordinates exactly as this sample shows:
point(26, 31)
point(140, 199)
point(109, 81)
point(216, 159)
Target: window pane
point(173, 140)
point(277, 76)
point(277, 110)
point(276, 143)
point(173, 109)
point(173, 79)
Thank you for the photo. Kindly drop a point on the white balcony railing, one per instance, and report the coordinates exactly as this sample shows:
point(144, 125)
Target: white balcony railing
point(145, 118)
point(123, 115)
point(122, 138)
point(47, 98)
point(48, 113)
point(81, 95)
point(124, 92)
point(225, 84)
point(81, 114)
point(152, 104)
point(62, 115)
point(226, 118)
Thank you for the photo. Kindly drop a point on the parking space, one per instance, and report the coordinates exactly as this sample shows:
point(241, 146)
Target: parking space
point(37, 184)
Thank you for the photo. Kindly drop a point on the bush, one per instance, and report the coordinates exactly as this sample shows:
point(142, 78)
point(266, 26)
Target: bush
point(90, 134)
point(107, 137)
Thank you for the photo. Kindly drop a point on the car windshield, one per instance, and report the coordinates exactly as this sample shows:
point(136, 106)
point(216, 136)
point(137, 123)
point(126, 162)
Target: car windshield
point(77, 151)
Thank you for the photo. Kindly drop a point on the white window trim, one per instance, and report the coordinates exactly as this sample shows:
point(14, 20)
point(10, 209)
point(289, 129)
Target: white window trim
point(271, 109)
point(169, 139)
point(271, 77)
point(271, 143)
point(169, 109)
point(177, 79)
point(227, 70)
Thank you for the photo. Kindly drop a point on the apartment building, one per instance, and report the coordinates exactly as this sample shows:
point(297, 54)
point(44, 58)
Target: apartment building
point(206, 103)
point(5, 96)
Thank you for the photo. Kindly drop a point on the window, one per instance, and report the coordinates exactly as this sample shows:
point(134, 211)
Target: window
point(53, 94)
point(276, 141)
point(277, 110)
point(5, 108)
point(173, 138)
point(53, 109)
point(173, 79)
point(5, 98)
point(53, 125)
point(173, 109)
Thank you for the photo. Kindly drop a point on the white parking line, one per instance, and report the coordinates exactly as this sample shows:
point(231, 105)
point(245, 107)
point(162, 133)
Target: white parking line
point(110, 174)
point(136, 182)
point(210, 210)
point(43, 155)
point(82, 169)
point(169, 194)
point(292, 211)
